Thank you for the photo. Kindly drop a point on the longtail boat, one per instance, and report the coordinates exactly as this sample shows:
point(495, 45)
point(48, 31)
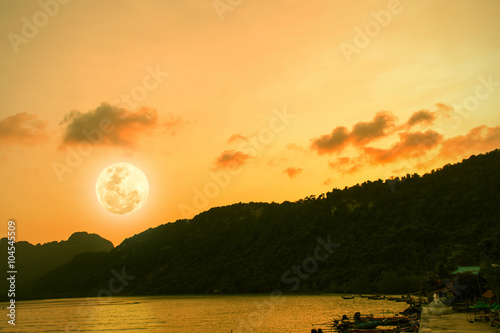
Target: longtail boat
point(379, 324)
point(411, 328)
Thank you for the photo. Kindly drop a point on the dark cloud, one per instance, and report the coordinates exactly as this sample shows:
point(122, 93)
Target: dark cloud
point(479, 139)
point(410, 145)
point(417, 145)
point(231, 159)
point(364, 132)
point(22, 129)
point(382, 125)
point(111, 125)
point(292, 172)
point(424, 117)
point(333, 142)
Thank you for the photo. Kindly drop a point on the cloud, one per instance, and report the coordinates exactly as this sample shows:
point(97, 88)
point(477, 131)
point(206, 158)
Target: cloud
point(292, 172)
point(424, 117)
point(410, 145)
point(231, 159)
point(347, 165)
point(444, 110)
point(22, 129)
point(479, 139)
point(383, 125)
point(115, 126)
point(417, 145)
point(172, 124)
point(236, 137)
point(364, 132)
point(336, 141)
point(424, 147)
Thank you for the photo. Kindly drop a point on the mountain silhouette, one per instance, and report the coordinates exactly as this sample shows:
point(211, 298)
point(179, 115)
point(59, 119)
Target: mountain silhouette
point(34, 261)
point(383, 236)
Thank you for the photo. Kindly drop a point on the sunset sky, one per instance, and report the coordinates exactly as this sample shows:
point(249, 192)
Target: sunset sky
point(228, 101)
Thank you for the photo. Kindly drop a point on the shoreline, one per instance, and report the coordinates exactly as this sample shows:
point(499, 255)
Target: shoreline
point(458, 322)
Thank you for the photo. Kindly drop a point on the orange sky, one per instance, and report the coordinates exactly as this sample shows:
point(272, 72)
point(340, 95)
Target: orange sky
point(220, 102)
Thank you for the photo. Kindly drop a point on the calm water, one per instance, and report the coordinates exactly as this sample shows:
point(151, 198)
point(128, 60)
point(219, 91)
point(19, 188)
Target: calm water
point(253, 313)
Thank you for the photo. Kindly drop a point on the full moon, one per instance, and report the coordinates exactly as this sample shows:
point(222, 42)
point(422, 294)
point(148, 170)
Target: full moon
point(122, 188)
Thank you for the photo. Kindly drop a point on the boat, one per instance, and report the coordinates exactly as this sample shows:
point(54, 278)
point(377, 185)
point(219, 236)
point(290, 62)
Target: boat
point(367, 324)
point(372, 296)
point(348, 297)
point(411, 328)
point(376, 297)
point(361, 323)
point(385, 322)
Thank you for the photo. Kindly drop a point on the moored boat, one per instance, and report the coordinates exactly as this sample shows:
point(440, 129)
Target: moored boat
point(373, 297)
point(410, 328)
point(368, 323)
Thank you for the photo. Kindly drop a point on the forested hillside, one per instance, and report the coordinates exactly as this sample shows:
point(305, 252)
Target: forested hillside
point(34, 261)
point(390, 236)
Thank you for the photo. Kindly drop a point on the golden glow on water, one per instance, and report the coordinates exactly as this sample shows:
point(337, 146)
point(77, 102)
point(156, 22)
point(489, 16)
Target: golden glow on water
point(171, 314)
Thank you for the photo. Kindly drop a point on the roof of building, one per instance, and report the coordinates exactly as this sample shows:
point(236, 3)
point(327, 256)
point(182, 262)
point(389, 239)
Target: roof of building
point(465, 269)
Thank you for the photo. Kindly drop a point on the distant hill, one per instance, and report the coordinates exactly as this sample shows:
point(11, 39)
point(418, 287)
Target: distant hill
point(34, 261)
point(392, 236)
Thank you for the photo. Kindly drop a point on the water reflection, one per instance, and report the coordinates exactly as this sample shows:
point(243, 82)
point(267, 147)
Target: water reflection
point(220, 313)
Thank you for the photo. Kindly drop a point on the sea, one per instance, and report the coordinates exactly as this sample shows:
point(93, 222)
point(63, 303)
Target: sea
point(271, 313)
